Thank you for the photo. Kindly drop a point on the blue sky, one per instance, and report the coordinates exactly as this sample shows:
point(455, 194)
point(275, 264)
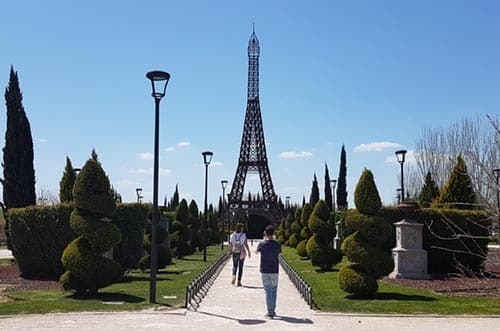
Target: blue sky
point(367, 74)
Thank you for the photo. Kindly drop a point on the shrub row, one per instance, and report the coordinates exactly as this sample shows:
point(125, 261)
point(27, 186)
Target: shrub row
point(39, 235)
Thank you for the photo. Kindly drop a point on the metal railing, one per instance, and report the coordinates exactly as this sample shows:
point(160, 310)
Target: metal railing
point(304, 289)
point(198, 288)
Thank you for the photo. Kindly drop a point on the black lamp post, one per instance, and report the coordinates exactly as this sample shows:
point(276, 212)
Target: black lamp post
point(334, 185)
point(287, 203)
point(138, 191)
point(496, 172)
point(400, 155)
point(207, 158)
point(224, 185)
point(159, 81)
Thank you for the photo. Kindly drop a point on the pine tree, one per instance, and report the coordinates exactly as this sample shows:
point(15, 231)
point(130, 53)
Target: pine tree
point(19, 174)
point(430, 191)
point(458, 192)
point(174, 201)
point(328, 189)
point(341, 183)
point(67, 182)
point(314, 197)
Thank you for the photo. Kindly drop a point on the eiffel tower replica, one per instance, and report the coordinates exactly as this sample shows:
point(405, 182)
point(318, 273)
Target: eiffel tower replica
point(253, 158)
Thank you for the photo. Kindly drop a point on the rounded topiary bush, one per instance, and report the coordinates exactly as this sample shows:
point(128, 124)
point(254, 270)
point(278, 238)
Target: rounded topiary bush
point(301, 248)
point(353, 279)
point(318, 245)
point(164, 253)
point(368, 248)
point(87, 270)
point(293, 241)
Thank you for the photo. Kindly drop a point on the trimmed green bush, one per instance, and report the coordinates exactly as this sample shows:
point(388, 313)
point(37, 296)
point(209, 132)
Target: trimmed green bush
point(458, 192)
point(38, 235)
point(86, 269)
point(366, 197)
point(301, 248)
point(368, 248)
point(293, 241)
point(164, 253)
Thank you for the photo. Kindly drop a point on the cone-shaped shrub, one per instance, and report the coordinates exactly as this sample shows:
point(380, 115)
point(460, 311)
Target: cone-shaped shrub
point(181, 230)
point(164, 254)
point(429, 192)
point(87, 270)
point(366, 197)
point(318, 246)
point(368, 248)
point(458, 192)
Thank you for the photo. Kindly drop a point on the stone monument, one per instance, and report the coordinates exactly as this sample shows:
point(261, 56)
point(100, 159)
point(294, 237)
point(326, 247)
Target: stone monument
point(410, 259)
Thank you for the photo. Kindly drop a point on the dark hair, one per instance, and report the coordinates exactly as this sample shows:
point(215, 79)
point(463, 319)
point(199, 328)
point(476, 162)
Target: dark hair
point(269, 231)
point(239, 227)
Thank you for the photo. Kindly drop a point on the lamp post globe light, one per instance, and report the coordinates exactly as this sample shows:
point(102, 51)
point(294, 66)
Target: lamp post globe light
point(400, 155)
point(159, 81)
point(224, 185)
point(207, 158)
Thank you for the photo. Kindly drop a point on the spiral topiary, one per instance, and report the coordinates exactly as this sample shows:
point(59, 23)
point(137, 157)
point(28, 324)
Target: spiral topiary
point(164, 254)
point(368, 248)
point(181, 232)
point(318, 246)
point(87, 270)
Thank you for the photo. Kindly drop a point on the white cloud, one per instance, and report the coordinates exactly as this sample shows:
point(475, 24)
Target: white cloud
point(145, 156)
point(183, 144)
point(409, 158)
point(295, 155)
point(217, 164)
point(149, 171)
point(41, 141)
point(170, 149)
point(378, 146)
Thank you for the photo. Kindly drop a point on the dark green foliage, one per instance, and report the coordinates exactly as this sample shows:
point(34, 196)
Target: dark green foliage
point(67, 182)
point(163, 251)
point(18, 171)
point(293, 241)
point(87, 270)
point(314, 197)
point(353, 279)
point(195, 226)
point(301, 248)
point(456, 240)
point(307, 210)
point(305, 233)
point(317, 247)
point(38, 236)
point(182, 231)
point(368, 247)
point(131, 220)
point(366, 197)
point(342, 183)
point(328, 189)
point(458, 192)
point(429, 192)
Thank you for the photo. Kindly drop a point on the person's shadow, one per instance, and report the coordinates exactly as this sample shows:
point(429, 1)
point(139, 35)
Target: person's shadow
point(287, 319)
point(293, 320)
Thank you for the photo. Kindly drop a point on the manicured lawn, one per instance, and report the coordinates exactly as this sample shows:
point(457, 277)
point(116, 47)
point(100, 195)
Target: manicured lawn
point(391, 299)
point(132, 294)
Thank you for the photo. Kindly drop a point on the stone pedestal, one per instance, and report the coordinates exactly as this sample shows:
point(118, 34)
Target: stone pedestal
point(410, 260)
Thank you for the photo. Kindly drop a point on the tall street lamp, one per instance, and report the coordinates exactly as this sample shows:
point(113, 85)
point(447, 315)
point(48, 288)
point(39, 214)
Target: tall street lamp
point(496, 172)
point(159, 81)
point(207, 158)
point(224, 185)
point(333, 182)
point(400, 155)
point(287, 203)
point(138, 191)
point(337, 240)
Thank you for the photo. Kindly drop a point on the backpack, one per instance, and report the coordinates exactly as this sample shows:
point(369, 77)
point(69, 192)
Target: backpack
point(238, 243)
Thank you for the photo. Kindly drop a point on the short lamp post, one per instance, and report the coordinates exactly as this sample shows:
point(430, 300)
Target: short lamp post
point(398, 195)
point(224, 185)
point(400, 155)
point(207, 158)
point(159, 81)
point(287, 203)
point(138, 191)
point(337, 240)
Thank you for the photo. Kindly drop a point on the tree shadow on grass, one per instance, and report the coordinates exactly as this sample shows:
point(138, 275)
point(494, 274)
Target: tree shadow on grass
point(109, 297)
point(133, 278)
point(392, 296)
point(321, 271)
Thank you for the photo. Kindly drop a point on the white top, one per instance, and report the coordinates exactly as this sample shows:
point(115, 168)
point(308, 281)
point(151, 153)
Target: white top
point(238, 241)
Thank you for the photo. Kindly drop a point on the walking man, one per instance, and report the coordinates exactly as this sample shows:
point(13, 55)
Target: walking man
point(269, 250)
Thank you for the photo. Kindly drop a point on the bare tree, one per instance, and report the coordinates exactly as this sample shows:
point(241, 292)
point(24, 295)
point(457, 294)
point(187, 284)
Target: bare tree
point(46, 198)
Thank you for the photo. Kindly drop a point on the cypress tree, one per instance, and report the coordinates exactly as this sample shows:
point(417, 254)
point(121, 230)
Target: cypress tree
point(328, 189)
point(342, 183)
point(314, 197)
point(430, 191)
point(18, 172)
point(458, 191)
point(67, 182)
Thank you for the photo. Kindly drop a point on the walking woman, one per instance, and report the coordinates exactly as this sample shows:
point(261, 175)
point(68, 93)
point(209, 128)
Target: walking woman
point(238, 247)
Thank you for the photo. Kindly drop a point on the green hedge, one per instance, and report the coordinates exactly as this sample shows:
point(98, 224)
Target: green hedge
point(131, 220)
point(38, 235)
point(444, 255)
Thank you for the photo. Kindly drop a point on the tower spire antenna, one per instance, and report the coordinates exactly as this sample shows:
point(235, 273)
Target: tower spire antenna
point(253, 27)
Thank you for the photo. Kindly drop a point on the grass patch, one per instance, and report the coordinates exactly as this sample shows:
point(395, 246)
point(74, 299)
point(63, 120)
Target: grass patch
point(130, 294)
point(7, 261)
point(390, 299)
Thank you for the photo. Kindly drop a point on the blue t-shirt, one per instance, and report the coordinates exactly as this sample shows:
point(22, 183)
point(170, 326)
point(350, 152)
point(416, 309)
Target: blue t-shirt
point(269, 251)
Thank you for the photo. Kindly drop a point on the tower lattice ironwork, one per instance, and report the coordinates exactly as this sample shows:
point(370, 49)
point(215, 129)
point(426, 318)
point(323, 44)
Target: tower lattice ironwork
point(253, 157)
